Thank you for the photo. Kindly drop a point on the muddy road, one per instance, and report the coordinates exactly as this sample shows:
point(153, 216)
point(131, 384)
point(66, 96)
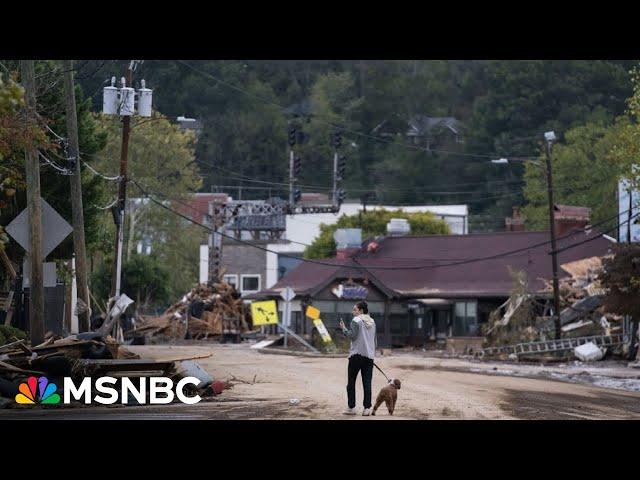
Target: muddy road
point(431, 390)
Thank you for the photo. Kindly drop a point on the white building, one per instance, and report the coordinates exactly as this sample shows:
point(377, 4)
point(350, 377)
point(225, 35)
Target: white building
point(624, 212)
point(306, 227)
point(303, 229)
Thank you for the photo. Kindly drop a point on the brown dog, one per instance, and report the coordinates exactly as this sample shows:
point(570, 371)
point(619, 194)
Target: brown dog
point(389, 395)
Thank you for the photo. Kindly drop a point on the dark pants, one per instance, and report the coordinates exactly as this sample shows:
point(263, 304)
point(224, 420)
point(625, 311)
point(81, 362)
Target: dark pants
point(358, 363)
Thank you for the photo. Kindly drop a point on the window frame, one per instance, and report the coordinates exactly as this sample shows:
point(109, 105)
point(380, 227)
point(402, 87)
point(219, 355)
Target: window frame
point(235, 275)
point(250, 275)
point(466, 316)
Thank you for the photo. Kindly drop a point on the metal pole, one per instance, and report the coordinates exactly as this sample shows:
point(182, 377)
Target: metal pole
point(554, 255)
point(335, 176)
point(215, 243)
point(291, 177)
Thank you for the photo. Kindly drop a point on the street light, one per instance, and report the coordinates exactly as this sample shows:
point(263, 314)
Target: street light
point(549, 137)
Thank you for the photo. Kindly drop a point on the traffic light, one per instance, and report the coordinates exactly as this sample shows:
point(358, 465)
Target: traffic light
point(301, 137)
point(297, 166)
point(292, 136)
point(341, 195)
point(337, 139)
point(297, 195)
point(342, 168)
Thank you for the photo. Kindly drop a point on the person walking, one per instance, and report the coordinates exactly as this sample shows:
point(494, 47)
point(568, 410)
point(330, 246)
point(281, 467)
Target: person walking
point(362, 333)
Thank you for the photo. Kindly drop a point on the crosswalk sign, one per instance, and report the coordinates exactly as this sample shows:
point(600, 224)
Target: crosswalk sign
point(264, 313)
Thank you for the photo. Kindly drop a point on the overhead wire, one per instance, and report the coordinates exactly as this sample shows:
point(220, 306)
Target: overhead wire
point(372, 267)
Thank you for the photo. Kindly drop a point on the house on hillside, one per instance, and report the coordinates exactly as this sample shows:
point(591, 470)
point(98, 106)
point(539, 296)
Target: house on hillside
point(430, 132)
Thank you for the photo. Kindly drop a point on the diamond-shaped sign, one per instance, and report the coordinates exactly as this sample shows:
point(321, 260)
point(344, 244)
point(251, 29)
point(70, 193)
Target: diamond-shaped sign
point(54, 228)
point(288, 294)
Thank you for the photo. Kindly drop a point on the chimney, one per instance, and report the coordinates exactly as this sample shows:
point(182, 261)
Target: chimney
point(516, 222)
point(348, 242)
point(568, 218)
point(398, 227)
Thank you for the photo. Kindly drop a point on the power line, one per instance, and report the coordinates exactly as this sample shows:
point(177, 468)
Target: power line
point(396, 268)
point(114, 178)
point(62, 170)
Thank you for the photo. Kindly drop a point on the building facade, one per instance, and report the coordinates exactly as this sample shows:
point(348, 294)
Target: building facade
point(422, 289)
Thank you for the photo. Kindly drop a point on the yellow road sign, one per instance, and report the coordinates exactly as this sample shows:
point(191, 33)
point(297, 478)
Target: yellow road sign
point(322, 330)
point(313, 312)
point(264, 313)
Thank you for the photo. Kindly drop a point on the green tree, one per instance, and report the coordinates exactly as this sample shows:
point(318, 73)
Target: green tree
point(161, 159)
point(176, 244)
point(15, 137)
point(626, 150)
point(373, 223)
point(144, 278)
point(582, 175)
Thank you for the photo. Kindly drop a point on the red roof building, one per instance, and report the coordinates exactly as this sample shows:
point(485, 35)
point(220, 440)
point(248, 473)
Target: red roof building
point(422, 288)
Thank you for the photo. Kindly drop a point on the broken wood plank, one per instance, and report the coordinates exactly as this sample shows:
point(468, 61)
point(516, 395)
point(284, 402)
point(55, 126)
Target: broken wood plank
point(7, 264)
point(182, 359)
point(23, 347)
point(11, 368)
point(11, 345)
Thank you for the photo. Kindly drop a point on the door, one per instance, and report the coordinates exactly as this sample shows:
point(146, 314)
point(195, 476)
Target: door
point(442, 320)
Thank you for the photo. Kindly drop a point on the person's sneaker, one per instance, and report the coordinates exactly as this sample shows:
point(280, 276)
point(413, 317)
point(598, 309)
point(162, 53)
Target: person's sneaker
point(349, 411)
point(366, 412)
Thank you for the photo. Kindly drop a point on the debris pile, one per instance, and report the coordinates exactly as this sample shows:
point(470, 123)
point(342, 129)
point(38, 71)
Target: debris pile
point(202, 313)
point(527, 317)
point(84, 355)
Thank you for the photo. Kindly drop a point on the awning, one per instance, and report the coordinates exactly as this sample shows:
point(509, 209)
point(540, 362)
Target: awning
point(434, 302)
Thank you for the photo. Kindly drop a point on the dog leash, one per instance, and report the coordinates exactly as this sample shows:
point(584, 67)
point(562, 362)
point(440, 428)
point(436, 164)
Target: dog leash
point(385, 376)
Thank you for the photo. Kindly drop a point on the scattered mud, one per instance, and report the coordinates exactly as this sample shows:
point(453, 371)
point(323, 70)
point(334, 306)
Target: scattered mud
point(532, 405)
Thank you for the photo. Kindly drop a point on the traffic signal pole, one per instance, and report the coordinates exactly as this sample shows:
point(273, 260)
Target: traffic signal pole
point(335, 176)
point(291, 176)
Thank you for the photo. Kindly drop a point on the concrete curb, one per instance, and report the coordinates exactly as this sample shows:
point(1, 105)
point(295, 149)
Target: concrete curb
point(281, 351)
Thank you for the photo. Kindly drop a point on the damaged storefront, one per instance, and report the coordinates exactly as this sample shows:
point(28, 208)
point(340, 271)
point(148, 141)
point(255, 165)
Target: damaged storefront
point(429, 290)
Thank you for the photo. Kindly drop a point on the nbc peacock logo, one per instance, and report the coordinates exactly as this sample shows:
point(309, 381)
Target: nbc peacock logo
point(46, 392)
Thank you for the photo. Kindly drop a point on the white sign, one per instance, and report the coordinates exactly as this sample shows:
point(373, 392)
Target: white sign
point(288, 294)
point(54, 228)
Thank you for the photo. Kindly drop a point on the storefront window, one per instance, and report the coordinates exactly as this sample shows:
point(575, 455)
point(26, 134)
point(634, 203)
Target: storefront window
point(399, 324)
point(466, 320)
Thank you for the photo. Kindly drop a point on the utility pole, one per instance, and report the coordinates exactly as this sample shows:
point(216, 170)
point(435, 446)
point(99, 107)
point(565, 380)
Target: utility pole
point(629, 214)
point(36, 284)
point(550, 137)
point(122, 102)
point(122, 193)
point(76, 194)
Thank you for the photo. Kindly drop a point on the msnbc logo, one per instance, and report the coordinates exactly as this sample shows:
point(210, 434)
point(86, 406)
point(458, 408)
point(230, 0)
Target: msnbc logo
point(46, 392)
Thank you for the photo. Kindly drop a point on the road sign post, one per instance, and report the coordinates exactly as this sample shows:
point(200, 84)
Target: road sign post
point(287, 295)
